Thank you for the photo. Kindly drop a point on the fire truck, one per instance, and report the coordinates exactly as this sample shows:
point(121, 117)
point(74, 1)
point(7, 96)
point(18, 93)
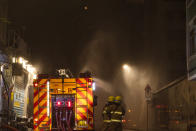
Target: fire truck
point(63, 104)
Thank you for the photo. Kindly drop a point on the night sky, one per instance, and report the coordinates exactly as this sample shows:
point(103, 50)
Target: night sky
point(109, 33)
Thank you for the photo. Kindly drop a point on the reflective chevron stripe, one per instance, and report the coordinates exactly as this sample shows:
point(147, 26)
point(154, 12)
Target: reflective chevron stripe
point(40, 106)
point(84, 104)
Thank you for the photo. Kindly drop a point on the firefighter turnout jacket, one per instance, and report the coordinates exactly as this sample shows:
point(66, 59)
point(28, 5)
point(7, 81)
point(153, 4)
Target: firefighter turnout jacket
point(107, 112)
point(117, 114)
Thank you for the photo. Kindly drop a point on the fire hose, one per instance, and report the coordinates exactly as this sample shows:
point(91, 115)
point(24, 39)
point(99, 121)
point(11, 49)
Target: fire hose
point(68, 121)
point(64, 120)
point(57, 121)
point(61, 121)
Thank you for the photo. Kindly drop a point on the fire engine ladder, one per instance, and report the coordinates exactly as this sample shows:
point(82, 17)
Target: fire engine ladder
point(82, 104)
point(43, 108)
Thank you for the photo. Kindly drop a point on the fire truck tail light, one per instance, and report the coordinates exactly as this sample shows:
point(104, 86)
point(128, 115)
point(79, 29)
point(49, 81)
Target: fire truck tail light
point(36, 85)
point(89, 83)
point(58, 103)
point(36, 120)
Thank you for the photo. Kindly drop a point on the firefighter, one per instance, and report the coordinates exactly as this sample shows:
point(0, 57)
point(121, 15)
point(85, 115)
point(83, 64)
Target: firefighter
point(107, 113)
point(117, 115)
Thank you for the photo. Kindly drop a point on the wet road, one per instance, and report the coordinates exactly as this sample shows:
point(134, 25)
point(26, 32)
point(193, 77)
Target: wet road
point(129, 130)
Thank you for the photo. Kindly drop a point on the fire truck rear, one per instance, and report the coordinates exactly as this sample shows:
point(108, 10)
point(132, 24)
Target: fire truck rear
point(64, 104)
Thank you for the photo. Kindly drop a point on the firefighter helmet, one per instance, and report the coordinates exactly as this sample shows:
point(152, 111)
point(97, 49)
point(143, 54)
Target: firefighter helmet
point(111, 99)
point(118, 99)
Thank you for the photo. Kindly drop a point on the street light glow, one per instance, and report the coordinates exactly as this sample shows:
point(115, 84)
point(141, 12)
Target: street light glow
point(126, 67)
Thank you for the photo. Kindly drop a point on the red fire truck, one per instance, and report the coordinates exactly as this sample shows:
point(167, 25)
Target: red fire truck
point(64, 104)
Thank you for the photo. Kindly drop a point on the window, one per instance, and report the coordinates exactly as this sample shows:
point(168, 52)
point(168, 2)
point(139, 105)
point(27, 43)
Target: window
point(16, 96)
point(19, 96)
point(192, 41)
point(189, 1)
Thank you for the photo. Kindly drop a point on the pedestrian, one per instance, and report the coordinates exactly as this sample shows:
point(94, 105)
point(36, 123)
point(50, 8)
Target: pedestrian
point(117, 115)
point(107, 113)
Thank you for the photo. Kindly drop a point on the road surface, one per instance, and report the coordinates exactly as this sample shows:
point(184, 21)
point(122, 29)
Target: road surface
point(129, 130)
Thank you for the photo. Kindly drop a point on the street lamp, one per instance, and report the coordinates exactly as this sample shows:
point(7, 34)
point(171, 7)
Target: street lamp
point(126, 67)
point(129, 74)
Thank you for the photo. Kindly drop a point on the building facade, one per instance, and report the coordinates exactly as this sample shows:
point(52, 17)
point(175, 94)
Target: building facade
point(177, 111)
point(16, 77)
point(191, 38)
point(3, 22)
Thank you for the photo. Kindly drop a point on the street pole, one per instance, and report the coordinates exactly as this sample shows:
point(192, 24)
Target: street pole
point(147, 117)
point(189, 123)
point(148, 96)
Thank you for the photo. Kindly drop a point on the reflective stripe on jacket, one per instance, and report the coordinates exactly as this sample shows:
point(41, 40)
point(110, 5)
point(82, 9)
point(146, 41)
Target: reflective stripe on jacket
point(107, 112)
point(118, 112)
point(114, 120)
point(107, 121)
